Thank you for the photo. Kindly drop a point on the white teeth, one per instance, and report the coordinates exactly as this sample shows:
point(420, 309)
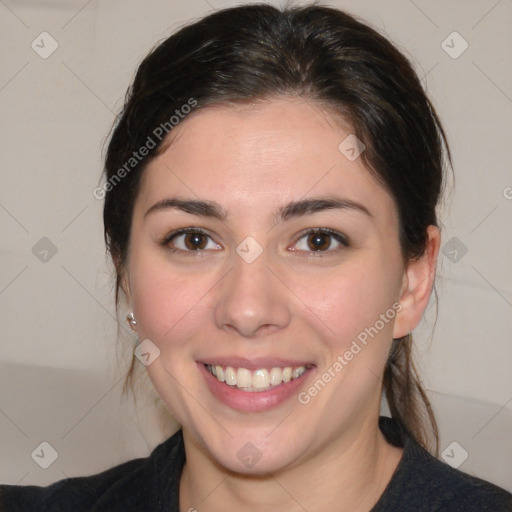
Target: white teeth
point(258, 380)
point(297, 372)
point(243, 378)
point(230, 376)
point(261, 379)
point(276, 376)
point(219, 373)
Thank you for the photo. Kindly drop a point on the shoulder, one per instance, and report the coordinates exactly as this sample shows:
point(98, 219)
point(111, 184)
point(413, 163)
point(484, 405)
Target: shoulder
point(126, 487)
point(77, 493)
point(450, 489)
point(423, 483)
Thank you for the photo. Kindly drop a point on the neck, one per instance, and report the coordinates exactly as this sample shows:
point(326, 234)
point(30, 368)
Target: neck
point(349, 474)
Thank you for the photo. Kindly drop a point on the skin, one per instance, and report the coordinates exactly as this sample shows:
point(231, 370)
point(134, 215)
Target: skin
point(292, 301)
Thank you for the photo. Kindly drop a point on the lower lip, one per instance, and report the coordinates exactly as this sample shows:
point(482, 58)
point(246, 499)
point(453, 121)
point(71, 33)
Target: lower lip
point(252, 401)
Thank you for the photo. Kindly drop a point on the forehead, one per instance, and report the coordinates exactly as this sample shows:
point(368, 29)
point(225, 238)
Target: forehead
point(261, 155)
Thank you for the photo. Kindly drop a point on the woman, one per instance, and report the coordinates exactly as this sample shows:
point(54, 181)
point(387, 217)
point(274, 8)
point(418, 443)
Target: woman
point(270, 208)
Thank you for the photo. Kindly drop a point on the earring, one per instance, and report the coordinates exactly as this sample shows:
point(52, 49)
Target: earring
point(131, 320)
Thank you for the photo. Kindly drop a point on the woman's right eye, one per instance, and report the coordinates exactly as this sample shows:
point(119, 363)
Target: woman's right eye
point(190, 240)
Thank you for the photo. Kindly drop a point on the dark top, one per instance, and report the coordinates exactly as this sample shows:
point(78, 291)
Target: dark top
point(420, 483)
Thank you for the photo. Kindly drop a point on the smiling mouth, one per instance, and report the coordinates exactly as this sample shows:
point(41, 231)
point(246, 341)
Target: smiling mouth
point(262, 379)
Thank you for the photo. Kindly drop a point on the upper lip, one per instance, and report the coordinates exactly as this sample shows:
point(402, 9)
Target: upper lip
point(255, 363)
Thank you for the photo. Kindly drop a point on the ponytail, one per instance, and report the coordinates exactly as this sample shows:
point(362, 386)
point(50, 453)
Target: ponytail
point(407, 400)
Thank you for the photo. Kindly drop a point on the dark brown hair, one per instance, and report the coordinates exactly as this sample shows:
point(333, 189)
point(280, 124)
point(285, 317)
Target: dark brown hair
point(255, 52)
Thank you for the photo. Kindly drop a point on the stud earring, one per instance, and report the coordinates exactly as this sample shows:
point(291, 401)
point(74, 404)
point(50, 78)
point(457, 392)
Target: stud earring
point(131, 320)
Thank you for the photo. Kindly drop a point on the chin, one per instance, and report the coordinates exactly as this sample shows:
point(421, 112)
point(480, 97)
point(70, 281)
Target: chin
point(251, 461)
point(253, 450)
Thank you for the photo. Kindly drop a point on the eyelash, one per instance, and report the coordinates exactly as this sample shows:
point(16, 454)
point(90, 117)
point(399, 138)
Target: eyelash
point(185, 231)
point(339, 237)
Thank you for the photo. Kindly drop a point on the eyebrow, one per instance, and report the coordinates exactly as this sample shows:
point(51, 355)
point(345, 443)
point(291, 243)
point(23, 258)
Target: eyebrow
point(314, 205)
point(293, 209)
point(193, 206)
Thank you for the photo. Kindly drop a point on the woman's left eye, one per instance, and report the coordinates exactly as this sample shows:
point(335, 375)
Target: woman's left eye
point(320, 240)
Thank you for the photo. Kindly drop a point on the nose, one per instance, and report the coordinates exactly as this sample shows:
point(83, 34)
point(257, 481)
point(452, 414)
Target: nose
point(252, 301)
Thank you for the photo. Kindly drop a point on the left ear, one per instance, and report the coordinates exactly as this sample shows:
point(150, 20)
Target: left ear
point(417, 285)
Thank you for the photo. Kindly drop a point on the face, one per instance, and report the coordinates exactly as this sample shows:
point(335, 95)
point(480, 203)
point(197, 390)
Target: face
point(259, 249)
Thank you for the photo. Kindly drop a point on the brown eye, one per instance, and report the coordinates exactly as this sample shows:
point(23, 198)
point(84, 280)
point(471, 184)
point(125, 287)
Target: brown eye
point(195, 241)
point(319, 241)
point(190, 240)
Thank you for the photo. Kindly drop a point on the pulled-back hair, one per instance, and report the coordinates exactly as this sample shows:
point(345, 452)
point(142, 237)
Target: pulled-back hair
point(256, 52)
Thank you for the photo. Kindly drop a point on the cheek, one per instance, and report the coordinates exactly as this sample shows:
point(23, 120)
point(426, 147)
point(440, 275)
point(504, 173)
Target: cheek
point(350, 302)
point(168, 306)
